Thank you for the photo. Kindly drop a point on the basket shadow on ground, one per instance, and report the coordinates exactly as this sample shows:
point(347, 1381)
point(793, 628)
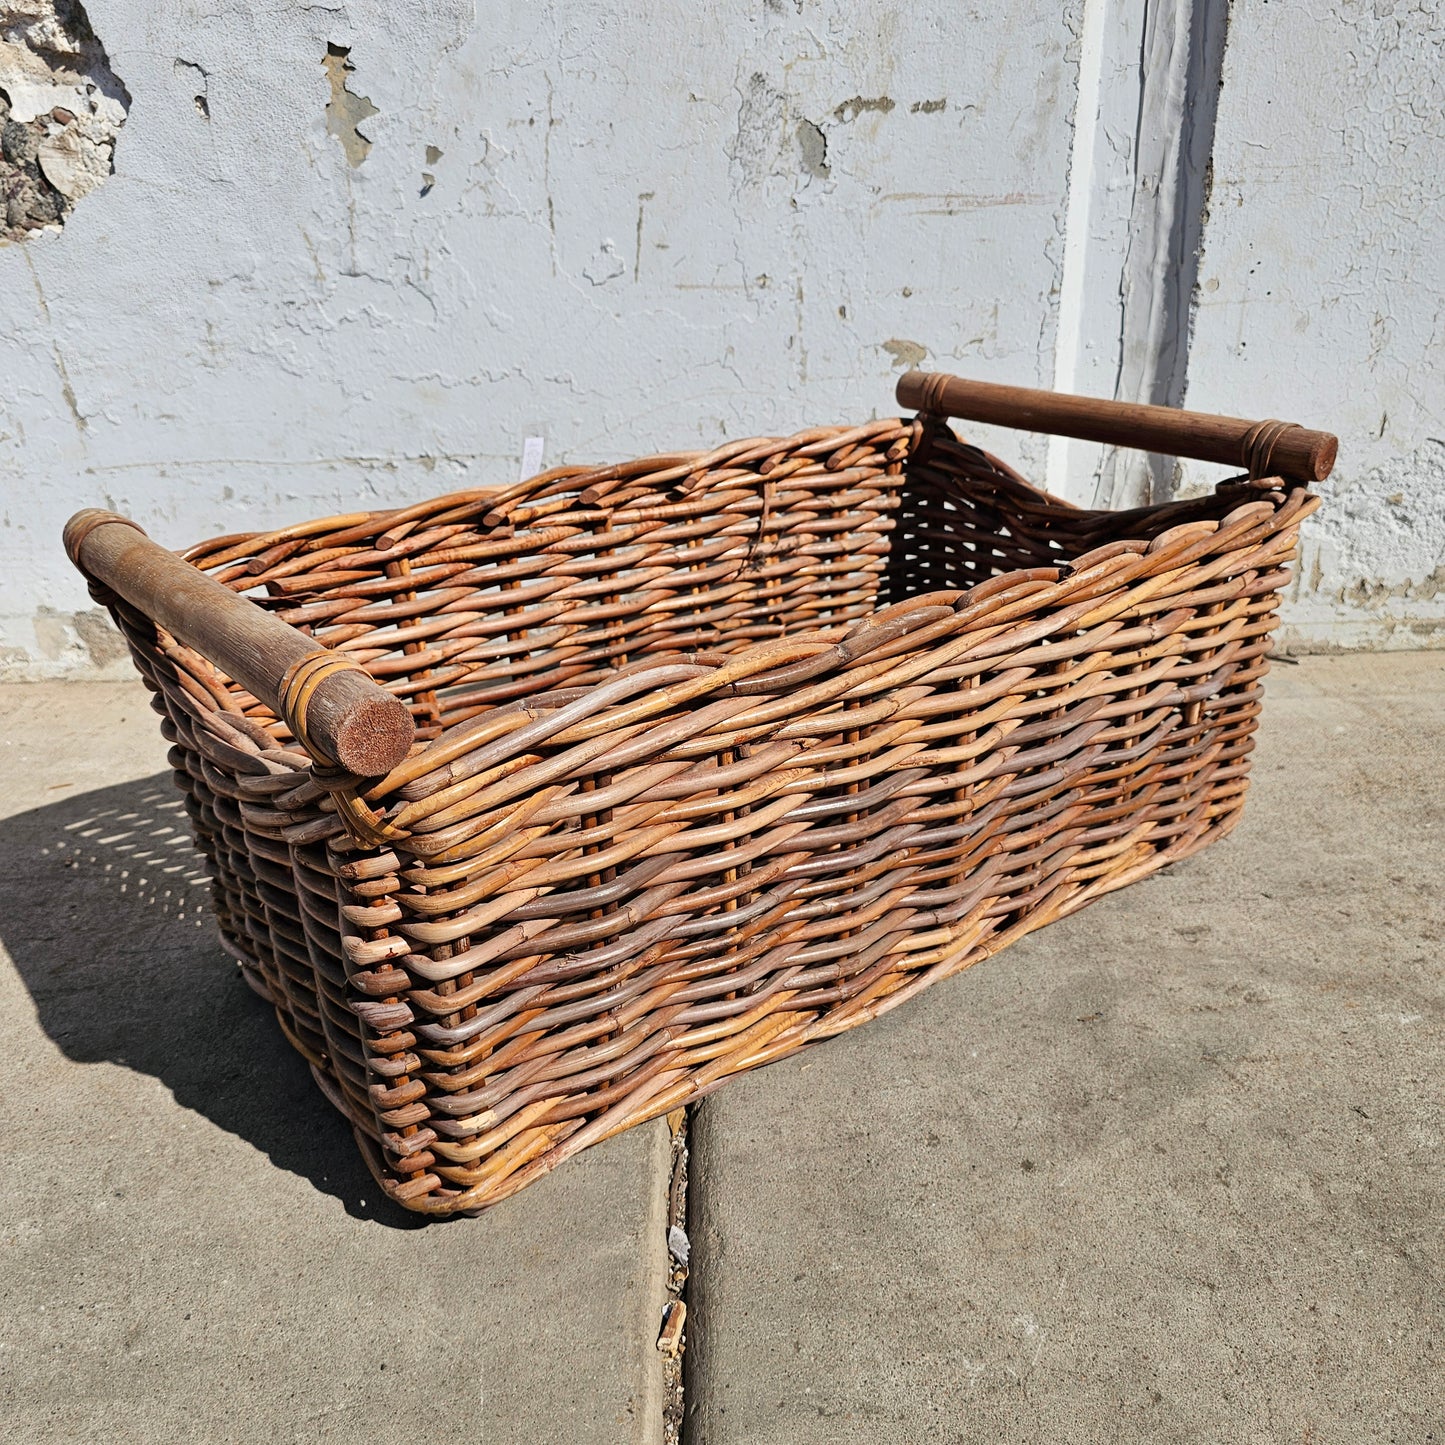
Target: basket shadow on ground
point(109, 923)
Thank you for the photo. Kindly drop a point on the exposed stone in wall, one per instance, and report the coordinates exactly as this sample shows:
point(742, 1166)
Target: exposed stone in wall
point(61, 106)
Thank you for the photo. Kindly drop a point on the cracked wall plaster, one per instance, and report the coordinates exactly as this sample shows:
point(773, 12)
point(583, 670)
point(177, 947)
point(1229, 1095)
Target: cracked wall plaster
point(906, 354)
point(61, 107)
point(813, 143)
point(625, 230)
point(850, 110)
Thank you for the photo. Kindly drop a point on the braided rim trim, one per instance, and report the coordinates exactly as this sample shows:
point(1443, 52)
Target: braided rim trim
point(933, 386)
point(75, 536)
point(297, 688)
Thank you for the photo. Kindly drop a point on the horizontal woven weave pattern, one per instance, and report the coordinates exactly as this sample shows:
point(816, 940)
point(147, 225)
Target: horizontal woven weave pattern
point(719, 755)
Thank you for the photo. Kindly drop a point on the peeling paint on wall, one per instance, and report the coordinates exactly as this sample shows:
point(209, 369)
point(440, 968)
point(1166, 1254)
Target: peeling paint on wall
point(428, 176)
point(850, 110)
point(762, 111)
point(61, 106)
point(81, 640)
point(1373, 557)
point(631, 247)
point(905, 354)
point(813, 142)
point(1323, 275)
point(201, 78)
point(285, 336)
point(346, 110)
point(606, 265)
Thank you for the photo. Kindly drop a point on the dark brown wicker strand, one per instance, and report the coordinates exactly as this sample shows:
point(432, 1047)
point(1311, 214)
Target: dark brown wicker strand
point(717, 755)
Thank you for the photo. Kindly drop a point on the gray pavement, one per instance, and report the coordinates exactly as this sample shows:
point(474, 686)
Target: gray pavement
point(190, 1247)
point(1170, 1170)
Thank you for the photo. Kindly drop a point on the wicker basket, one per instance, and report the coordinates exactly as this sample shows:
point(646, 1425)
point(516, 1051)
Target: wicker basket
point(715, 755)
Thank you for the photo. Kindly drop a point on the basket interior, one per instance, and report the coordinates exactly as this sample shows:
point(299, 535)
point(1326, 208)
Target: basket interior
point(478, 599)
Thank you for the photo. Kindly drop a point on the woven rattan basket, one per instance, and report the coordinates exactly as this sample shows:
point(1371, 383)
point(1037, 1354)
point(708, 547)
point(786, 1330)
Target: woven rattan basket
point(715, 755)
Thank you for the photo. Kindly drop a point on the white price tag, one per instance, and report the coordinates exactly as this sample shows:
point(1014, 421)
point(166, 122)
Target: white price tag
point(532, 456)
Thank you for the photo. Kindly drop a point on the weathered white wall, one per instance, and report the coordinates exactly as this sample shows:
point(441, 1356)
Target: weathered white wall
point(1145, 114)
point(650, 227)
point(1323, 291)
point(653, 226)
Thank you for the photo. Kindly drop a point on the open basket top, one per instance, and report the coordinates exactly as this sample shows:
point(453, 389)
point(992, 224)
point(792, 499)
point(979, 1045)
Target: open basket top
point(756, 567)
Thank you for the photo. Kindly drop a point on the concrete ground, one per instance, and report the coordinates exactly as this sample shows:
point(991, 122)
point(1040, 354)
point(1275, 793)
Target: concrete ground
point(1170, 1170)
point(190, 1246)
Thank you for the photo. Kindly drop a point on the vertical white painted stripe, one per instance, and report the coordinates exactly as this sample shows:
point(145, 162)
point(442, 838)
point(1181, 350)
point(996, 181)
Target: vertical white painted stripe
point(1076, 228)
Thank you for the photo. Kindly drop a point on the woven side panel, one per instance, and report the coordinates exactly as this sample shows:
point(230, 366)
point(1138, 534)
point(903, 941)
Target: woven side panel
point(461, 606)
point(252, 886)
point(475, 600)
point(591, 939)
point(224, 857)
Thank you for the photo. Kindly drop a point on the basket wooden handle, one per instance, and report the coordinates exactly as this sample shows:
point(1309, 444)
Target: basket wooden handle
point(1263, 448)
point(330, 703)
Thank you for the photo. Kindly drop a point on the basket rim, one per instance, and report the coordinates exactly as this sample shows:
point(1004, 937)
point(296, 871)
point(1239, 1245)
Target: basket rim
point(238, 548)
point(779, 666)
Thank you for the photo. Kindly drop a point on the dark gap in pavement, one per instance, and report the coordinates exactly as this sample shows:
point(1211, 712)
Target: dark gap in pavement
point(672, 1340)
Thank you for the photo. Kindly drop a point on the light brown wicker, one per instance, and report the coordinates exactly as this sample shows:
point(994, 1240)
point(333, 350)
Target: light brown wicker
point(716, 755)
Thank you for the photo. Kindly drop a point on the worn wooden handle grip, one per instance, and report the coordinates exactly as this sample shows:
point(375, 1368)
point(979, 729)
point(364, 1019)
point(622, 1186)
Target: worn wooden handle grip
point(1263, 448)
point(334, 708)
